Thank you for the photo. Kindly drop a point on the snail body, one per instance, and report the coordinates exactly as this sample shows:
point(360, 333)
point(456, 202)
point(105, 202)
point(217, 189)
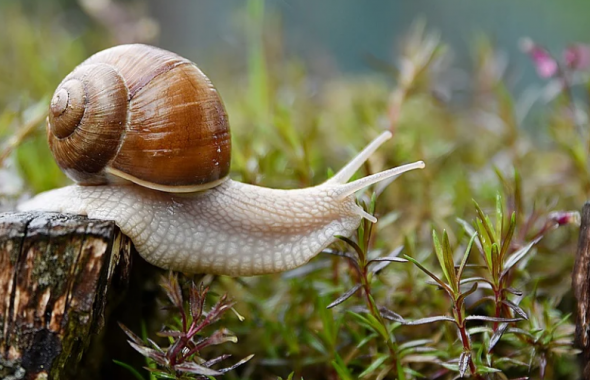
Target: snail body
point(217, 225)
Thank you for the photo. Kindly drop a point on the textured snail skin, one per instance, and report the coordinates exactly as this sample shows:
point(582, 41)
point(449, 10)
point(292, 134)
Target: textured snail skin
point(233, 229)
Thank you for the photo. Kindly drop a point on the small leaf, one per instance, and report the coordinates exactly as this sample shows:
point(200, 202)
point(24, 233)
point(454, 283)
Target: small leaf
point(390, 315)
point(413, 374)
point(517, 331)
point(508, 237)
point(452, 367)
point(463, 295)
point(344, 296)
point(155, 346)
point(479, 330)
point(360, 233)
point(336, 252)
point(449, 262)
point(377, 326)
point(172, 289)
point(197, 300)
point(487, 225)
point(487, 249)
point(342, 371)
point(366, 340)
point(354, 246)
point(476, 266)
point(373, 366)
point(563, 320)
point(432, 275)
point(382, 265)
point(231, 368)
point(438, 249)
point(133, 371)
point(134, 338)
point(465, 257)
point(423, 321)
point(516, 292)
point(491, 319)
point(212, 362)
point(421, 359)
point(170, 333)
point(373, 204)
point(385, 261)
point(542, 365)
point(497, 336)
point(223, 305)
point(464, 359)
point(518, 255)
point(474, 279)
point(352, 258)
point(390, 259)
point(414, 343)
point(496, 263)
point(499, 216)
point(511, 361)
point(192, 367)
point(517, 309)
point(362, 319)
point(484, 369)
point(470, 231)
point(149, 353)
point(158, 374)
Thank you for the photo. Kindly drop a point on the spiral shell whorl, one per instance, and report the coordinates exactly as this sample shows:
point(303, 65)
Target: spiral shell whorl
point(87, 117)
point(64, 122)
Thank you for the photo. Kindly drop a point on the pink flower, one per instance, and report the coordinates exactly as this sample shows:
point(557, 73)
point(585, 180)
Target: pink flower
point(577, 56)
point(544, 63)
point(565, 217)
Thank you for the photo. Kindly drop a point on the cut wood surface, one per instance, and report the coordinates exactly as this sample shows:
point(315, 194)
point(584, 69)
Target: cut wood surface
point(56, 274)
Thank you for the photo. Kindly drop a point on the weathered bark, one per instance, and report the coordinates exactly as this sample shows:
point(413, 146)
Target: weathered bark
point(56, 274)
point(581, 286)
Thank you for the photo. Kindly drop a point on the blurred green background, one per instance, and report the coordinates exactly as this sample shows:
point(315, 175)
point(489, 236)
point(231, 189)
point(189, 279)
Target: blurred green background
point(317, 80)
point(331, 37)
point(43, 40)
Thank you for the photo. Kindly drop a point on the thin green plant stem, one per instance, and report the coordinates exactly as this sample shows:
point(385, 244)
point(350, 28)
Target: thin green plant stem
point(458, 311)
point(373, 309)
point(21, 135)
point(390, 342)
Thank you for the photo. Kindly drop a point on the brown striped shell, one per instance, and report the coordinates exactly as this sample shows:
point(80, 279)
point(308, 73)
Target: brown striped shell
point(142, 114)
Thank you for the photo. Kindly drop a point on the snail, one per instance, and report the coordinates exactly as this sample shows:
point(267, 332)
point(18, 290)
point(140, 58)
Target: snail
point(145, 136)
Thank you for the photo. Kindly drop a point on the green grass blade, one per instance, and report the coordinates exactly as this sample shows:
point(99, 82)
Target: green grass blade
point(128, 367)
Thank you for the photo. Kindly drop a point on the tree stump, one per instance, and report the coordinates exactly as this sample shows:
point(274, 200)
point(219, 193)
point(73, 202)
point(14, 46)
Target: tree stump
point(581, 286)
point(56, 274)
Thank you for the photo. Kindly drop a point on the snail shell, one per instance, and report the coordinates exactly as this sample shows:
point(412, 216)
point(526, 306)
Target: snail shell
point(142, 114)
